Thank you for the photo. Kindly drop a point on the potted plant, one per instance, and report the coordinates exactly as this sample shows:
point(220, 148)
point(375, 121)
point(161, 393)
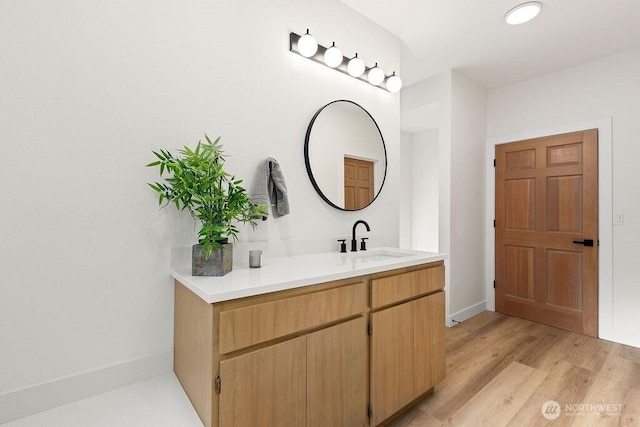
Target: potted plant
point(198, 183)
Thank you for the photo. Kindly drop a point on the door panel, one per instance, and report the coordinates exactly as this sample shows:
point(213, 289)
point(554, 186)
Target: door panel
point(564, 282)
point(564, 204)
point(429, 346)
point(520, 276)
point(358, 183)
point(337, 375)
point(560, 155)
point(520, 197)
point(524, 159)
point(265, 387)
point(546, 199)
point(391, 360)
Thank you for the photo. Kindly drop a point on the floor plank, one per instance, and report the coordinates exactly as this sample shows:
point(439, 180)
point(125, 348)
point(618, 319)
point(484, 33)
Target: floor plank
point(611, 387)
point(565, 383)
point(482, 366)
point(631, 412)
point(501, 399)
point(502, 369)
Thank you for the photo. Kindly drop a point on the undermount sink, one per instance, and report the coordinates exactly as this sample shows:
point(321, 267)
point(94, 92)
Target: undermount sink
point(379, 254)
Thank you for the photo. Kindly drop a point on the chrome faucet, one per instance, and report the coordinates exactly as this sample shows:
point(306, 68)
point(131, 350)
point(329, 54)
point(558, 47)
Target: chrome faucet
point(354, 243)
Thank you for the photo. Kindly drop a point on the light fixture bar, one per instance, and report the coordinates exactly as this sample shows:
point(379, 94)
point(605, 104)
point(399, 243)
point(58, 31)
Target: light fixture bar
point(319, 58)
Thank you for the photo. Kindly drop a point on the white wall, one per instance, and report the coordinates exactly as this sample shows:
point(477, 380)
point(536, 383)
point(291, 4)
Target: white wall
point(468, 130)
point(424, 182)
point(406, 191)
point(415, 102)
point(88, 89)
point(605, 88)
point(461, 106)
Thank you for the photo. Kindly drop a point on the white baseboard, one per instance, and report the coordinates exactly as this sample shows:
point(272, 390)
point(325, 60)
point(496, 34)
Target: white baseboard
point(624, 337)
point(465, 314)
point(41, 397)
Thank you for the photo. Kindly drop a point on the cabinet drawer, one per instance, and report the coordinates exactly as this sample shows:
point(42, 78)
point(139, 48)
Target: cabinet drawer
point(254, 324)
point(391, 289)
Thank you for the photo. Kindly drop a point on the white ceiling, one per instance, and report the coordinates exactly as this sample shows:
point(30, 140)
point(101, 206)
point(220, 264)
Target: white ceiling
point(471, 36)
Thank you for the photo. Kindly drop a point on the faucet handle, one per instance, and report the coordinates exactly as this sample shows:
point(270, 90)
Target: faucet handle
point(343, 245)
point(363, 244)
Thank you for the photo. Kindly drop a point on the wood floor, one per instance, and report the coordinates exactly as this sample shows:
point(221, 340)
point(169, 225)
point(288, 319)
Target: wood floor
point(502, 369)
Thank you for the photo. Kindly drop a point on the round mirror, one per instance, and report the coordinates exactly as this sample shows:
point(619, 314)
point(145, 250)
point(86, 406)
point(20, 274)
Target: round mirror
point(345, 155)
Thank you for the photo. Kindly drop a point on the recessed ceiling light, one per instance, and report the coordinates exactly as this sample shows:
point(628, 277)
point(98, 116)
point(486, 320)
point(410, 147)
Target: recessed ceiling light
point(523, 12)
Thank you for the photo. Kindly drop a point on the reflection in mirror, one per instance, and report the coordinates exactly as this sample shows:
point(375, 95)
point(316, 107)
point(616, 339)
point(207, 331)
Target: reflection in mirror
point(345, 155)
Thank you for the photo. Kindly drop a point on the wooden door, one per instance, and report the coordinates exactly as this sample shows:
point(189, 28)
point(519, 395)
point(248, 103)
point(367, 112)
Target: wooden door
point(391, 361)
point(358, 183)
point(546, 203)
point(265, 387)
point(429, 346)
point(337, 375)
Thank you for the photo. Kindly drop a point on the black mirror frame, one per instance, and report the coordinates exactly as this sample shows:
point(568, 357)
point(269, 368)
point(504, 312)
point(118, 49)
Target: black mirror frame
point(307, 162)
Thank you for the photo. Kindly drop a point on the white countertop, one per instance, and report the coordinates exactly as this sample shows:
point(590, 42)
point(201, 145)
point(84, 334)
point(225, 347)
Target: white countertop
point(288, 272)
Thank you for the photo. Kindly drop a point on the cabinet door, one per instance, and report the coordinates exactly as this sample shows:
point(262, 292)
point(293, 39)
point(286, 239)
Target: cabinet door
point(337, 375)
point(265, 387)
point(429, 346)
point(391, 360)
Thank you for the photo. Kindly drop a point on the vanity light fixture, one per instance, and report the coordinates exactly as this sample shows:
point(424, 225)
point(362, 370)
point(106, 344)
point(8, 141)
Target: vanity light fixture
point(522, 13)
point(394, 83)
point(375, 75)
point(307, 45)
point(332, 57)
point(355, 67)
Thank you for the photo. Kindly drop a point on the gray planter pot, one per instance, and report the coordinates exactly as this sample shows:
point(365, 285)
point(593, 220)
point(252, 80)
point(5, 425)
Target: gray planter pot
point(219, 263)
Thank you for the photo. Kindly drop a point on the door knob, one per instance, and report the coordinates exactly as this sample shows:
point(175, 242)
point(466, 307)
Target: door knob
point(585, 242)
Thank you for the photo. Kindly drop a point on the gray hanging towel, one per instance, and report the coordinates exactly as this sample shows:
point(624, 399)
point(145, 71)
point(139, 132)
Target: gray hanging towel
point(269, 187)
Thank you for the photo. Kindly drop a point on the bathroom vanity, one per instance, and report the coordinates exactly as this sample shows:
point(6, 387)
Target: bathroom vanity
point(324, 339)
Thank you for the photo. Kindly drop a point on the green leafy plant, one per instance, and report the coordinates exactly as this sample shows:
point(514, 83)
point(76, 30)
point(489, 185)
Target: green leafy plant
point(198, 183)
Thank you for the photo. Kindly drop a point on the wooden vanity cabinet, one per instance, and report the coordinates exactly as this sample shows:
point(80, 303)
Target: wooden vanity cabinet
point(304, 357)
point(318, 379)
point(407, 339)
point(290, 358)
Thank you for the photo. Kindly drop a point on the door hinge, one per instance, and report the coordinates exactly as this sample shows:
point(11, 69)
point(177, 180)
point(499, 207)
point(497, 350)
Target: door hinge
point(218, 384)
point(494, 284)
point(369, 411)
point(494, 163)
point(494, 223)
point(369, 329)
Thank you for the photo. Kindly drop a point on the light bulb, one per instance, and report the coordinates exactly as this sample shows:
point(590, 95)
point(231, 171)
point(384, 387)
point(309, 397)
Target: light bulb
point(394, 83)
point(307, 45)
point(355, 67)
point(523, 13)
point(333, 56)
point(376, 75)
